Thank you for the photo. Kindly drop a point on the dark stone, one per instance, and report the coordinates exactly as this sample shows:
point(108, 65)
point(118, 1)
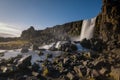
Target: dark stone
point(94, 44)
point(24, 50)
point(68, 47)
point(24, 62)
point(35, 47)
point(2, 54)
point(49, 55)
point(35, 67)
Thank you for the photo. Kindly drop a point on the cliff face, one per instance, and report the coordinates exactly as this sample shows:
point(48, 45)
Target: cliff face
point(48, 35)
point(107, 27)
point(108, 23)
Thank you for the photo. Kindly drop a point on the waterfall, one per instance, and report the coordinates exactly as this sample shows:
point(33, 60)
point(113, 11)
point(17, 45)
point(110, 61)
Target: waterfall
point(87, 29)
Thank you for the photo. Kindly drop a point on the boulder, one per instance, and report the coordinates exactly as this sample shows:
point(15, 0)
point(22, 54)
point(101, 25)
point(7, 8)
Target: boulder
point(35, 47)
point(103, 71)
point(35, 74)
point(95, 73)
point(40, 53)
point(70, 76)
point(24, 50)
point(78, 71)
point(93, 44)
point(68, 47)
point(115, 73)
point(2, 54)
point(24, 62)
point(49, 55)
point(35, 67)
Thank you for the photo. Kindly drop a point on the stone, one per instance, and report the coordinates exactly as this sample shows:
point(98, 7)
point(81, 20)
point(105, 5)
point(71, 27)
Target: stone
point(78, 71)
point(85, 63)
point(35, 67)
point(4, 69)
point(49, 55)
point(1, 54)
point(65, 60)
point(40, 53)
point(87, 55)
point(34, 47)
point(35, 74)
point(93, 44)
point(103, 71)
point(24, 50)
point(53, 72)
point(70, 76)
point(115, 73)
point(95, 73)
point(24, 62)
point(67, 46)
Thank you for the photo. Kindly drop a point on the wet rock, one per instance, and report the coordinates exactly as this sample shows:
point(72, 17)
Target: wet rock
point(34, 47)
point(24, 62)
point(40, 53)
point(8, 69)
point(16, 59)
point(94, 44)
point(24, 50)
point(35, 67)
point(66, 46)
point(1, 54)
point(49, 55)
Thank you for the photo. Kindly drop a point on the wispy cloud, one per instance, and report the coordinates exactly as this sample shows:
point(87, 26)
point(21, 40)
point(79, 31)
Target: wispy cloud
point(9, 30)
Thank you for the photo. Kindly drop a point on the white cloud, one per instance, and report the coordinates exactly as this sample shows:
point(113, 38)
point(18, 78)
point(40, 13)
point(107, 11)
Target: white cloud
point(9, 30)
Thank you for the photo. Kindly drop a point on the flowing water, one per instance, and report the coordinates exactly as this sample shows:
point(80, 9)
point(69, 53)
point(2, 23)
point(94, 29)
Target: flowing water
point(87, 29)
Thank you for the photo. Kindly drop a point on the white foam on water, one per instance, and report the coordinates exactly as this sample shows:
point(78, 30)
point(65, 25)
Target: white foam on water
point(57, 44)
point(2, 51)
point(46, 46)
point(10, 53)
point(35, 55)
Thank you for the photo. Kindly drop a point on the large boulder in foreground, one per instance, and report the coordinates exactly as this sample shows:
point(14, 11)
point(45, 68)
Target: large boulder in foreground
point(66, 46)
point(94, 44)
point(24, 62)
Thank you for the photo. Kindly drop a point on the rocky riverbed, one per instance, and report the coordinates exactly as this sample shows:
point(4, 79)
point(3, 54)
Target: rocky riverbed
point(59, 62)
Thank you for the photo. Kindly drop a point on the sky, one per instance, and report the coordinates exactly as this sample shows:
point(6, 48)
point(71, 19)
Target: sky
point(22, 14)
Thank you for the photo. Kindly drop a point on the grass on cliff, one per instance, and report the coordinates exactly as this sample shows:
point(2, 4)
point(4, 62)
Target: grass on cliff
point(13, 44)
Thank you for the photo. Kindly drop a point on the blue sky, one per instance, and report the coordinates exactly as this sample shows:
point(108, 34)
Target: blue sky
point(46, 13)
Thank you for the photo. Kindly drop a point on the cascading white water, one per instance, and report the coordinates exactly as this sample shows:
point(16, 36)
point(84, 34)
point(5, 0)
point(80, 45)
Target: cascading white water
point(87, 29)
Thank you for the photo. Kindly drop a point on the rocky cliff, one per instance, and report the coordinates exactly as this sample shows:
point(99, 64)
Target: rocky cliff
point(108, 23)
point(107, 28)
point(58, 32)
